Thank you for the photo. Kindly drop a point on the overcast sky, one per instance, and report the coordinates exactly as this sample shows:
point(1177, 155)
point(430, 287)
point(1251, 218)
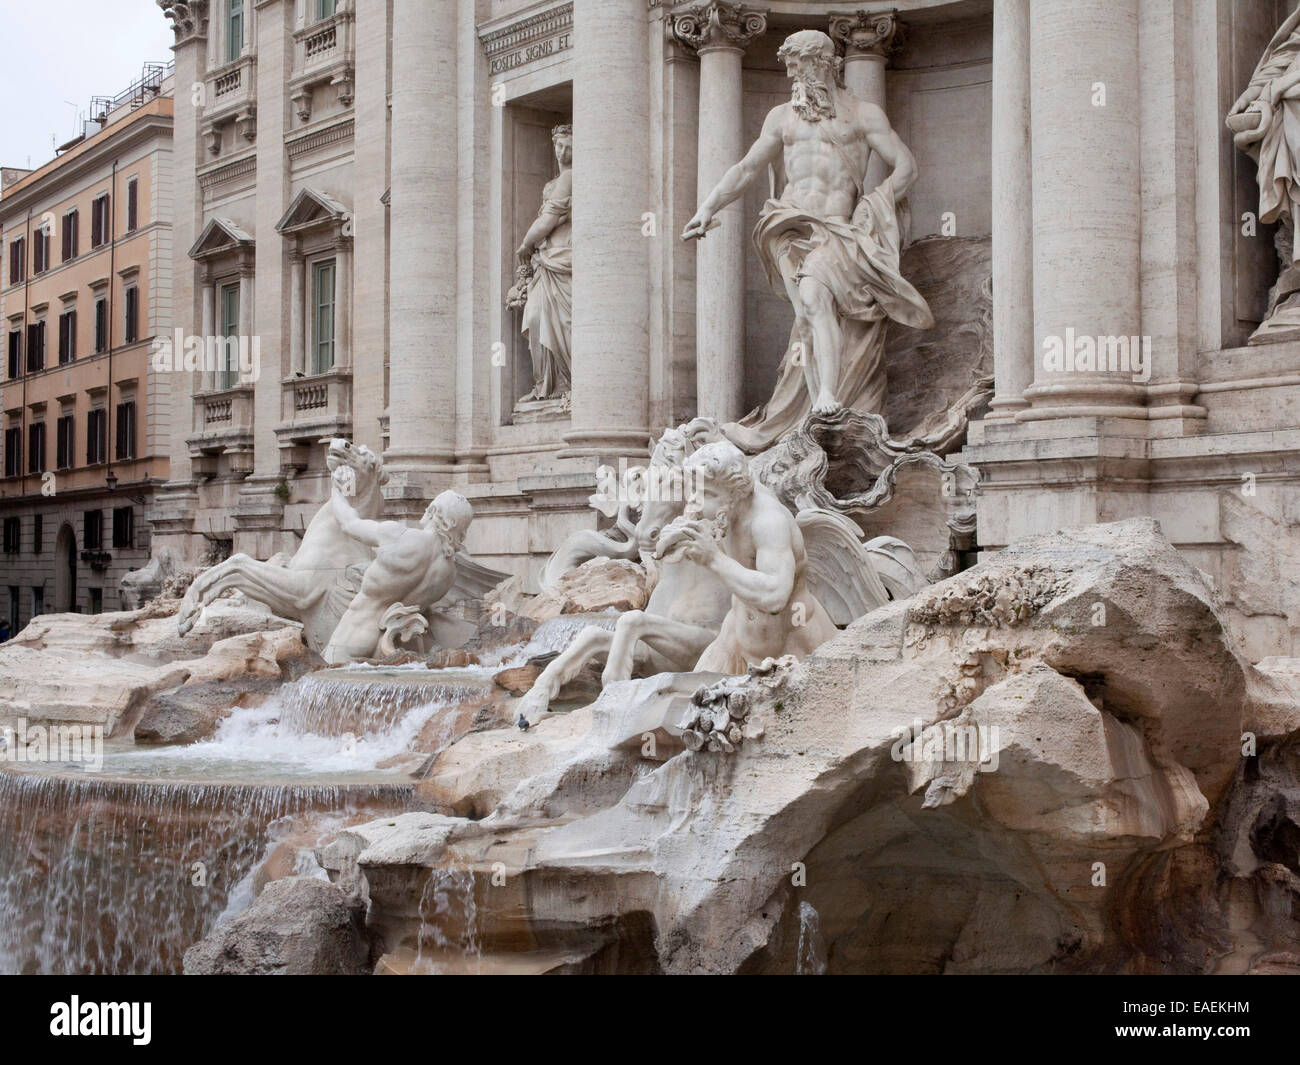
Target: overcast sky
point(60, 53)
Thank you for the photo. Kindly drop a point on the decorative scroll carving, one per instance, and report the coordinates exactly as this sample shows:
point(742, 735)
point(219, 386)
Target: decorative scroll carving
point(189, 18)
point(718, 24)
point(864, 33)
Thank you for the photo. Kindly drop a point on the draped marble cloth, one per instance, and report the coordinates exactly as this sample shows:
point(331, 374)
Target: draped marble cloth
point(1278, 134)
point(548, 314)
point(858, 262)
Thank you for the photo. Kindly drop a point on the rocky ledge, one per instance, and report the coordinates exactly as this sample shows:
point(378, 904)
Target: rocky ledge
point(1056, 761)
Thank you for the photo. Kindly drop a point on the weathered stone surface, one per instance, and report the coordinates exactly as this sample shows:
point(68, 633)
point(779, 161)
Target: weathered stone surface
point(299, 926)
point(1110, 820)
point(598, 584)
point(239, 671)
point(105, 668)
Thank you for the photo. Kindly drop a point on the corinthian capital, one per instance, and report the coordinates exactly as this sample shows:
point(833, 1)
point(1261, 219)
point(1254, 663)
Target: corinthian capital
point(189, 18)
point(868, 34)
point(718, 24)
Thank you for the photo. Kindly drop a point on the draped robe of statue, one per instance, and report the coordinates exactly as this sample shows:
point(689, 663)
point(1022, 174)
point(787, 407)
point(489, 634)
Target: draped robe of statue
point(1265, 122)
point(548, 314)
point(1276, 140)
point(858, 261)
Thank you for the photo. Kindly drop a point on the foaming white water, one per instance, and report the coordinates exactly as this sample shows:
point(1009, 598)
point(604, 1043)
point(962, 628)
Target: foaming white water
point(321, 726)
point(550, 637)
point(258, 735)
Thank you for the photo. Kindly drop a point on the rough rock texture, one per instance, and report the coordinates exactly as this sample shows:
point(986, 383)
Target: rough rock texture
point(938, 376)
point(238, 671)
point(299, 926)
point(520, 679)
point(598, 584)
point(1127, 799)
point(104, 669)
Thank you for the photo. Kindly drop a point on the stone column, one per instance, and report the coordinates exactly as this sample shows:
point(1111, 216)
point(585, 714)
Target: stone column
point(1087, 222)
point(208, 378)
point(869, 40)
point(343, 308)
point(172, 509)
point(245, 305)
point(719, 32)
point(297, 312)
point(611, 256)
point(422, 302)
point(1013, 229)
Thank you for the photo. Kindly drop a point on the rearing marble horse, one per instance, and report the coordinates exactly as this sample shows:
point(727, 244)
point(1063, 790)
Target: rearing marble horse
point(325, 572)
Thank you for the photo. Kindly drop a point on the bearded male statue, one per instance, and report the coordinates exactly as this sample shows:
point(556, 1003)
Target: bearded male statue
point(735, 528)
point(832, 244)
point(413, 569)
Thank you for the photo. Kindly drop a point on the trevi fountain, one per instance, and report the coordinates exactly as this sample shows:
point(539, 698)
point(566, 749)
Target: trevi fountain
point(971, 648)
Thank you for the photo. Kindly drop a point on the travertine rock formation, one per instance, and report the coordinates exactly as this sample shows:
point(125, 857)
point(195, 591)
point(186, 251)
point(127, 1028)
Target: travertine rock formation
point(107, 669)
point(299, 926)
point(1126, 798)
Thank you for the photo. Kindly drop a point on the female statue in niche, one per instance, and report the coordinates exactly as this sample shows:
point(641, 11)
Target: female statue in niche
point(544, 280)
point(1265, 122)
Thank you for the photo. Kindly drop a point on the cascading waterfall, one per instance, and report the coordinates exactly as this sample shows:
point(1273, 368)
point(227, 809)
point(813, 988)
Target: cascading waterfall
point(448, 919)
point(551, 636)
point(810, 958)
point(121, 876)
point(122, 871)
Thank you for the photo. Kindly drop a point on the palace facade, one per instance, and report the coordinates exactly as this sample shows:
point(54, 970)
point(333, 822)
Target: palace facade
point(353, 179)
point(87, 262)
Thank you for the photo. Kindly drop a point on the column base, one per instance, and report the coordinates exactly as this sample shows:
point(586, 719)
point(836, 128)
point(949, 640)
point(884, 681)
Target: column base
point(606, 444)
point(1005, 409)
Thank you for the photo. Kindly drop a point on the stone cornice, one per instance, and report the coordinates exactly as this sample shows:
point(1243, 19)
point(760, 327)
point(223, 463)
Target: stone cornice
point(71, 170)
point(497, 39)
point(224, 173)
point(311, 140)
point(718, 24)
point(865, 33)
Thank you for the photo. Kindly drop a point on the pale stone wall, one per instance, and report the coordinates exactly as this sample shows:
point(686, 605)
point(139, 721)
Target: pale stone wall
point(447, 115)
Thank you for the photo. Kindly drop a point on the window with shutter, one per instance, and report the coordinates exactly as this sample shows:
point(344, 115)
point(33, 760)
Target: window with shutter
point(125, 431)
point(67, 336)
point(124, 527)
point(36, 347)
point(235, 31)
point(101, 325)
point(13, 451)
point(96, 430)
point(18, 261)
point(15, 354)
point(132, 204)
point(93, 533)
point(36, 448)
point(99, 221)
point(323, 350)
point(130, 327)
point(66, 431)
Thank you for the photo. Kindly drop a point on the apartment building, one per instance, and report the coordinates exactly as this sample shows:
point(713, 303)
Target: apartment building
point(85, 286)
